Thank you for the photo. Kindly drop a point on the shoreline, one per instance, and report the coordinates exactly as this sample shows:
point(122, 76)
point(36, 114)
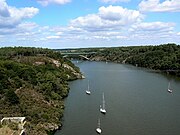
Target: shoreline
point(52, 132)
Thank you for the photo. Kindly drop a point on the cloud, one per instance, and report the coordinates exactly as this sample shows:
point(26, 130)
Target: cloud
point(117, 13)
point(28, 25)
point(53, 37)
point(113, 1)
point(21, 29)
point(4, 12)
point(152, 30)
point(47, 2)
point(11, 18)
point(113, 25)
point(156, 6)
point(153, 26)
point(108, 18)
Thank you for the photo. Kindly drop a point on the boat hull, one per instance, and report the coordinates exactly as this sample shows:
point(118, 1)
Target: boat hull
point(169, 90)
point(103, 111)
point(98, 130)
point(88, 92)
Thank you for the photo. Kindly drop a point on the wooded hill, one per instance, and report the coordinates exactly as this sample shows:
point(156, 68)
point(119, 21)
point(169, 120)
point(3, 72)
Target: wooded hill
point(33, 83)
point(165, 58)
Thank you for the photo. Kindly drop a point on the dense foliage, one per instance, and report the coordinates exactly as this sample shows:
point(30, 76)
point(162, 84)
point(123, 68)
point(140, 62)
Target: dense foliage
point(33, 83)
point(165, 57)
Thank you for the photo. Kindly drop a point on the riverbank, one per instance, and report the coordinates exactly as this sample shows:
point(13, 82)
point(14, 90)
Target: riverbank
point(163, 57)
point(33, 84)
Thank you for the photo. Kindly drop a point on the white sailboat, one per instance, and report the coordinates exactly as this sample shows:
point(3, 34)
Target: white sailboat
point(98, 129)
point(169, 89)
point(88, 91)
point(102, 108)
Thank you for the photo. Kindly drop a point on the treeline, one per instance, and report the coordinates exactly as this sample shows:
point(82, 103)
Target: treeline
point(164, 57)
point(33, 83)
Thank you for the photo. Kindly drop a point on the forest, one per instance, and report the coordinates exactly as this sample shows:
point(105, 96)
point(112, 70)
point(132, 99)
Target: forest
point(164, 58)
point(33, 84)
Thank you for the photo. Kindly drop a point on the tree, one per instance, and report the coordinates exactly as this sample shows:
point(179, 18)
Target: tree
point(11, 96)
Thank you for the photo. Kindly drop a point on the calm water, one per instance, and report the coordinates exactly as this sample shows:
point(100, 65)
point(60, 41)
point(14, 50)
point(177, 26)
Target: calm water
point(137, 102)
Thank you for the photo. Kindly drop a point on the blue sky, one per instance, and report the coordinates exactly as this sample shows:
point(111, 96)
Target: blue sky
point(88, 23)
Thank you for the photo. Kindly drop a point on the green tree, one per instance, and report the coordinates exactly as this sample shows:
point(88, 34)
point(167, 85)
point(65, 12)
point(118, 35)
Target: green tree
point(12, 97)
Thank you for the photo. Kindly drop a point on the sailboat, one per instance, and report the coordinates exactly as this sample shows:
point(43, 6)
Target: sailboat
point(98, 129)
point(88, 91)
point(102, 108)
point(169, 89)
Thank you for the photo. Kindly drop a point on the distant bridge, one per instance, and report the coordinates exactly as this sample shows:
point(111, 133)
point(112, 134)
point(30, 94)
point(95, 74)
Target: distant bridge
point(77, 55)
point(85, 57)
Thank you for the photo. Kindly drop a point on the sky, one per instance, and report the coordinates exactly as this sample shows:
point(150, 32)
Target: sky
point(59, 24)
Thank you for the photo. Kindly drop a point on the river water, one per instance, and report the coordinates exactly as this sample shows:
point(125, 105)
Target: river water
point(137, 102)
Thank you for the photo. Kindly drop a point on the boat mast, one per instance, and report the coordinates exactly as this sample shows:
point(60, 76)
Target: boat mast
point(99, 123)
point(88, 85)
point(169, 86)
point(103, 105)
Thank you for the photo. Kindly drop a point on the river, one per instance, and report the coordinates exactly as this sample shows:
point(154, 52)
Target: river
point(136, 99)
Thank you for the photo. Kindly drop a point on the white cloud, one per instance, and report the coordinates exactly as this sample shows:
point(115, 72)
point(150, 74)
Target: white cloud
point(4, 9)
point(117, 13)
point(28, 26)
point(153, 26)
point(108, 18)
point(91, 22)
point(53, 37)
point(152, 30)
point(114, 1)
point(11, 17)
point(109, 35)
point(47, 2)
point(111, 25)
point(156, 6)
point(59, 33)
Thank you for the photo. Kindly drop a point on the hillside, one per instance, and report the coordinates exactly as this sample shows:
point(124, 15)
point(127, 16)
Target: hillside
point(165, 58)
point(33, 84)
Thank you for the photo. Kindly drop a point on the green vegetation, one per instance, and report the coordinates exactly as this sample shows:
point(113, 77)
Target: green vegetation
point(33, 84)
point(165, 58)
